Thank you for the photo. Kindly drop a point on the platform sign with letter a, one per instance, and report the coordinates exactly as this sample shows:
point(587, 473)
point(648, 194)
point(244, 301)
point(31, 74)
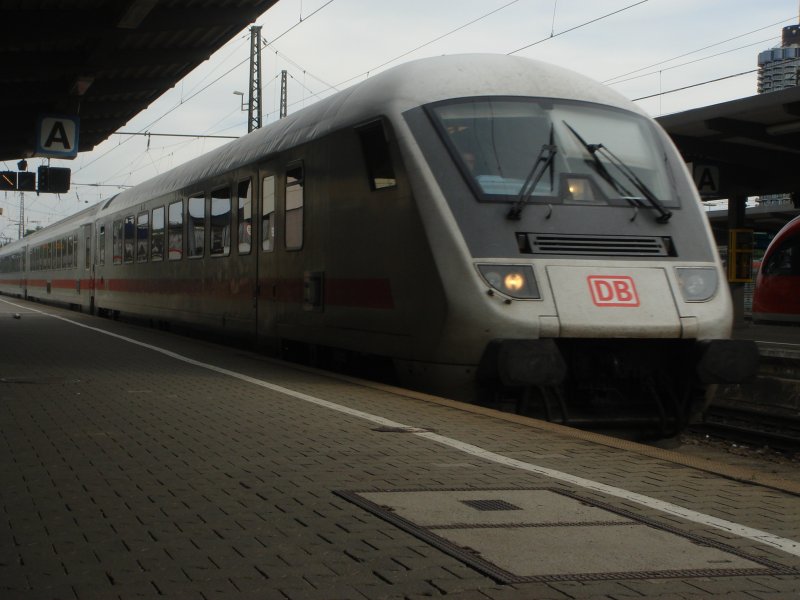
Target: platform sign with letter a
point(706, 178)
point(57, 136)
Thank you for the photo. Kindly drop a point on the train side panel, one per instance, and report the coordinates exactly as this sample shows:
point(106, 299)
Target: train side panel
point(366, 278)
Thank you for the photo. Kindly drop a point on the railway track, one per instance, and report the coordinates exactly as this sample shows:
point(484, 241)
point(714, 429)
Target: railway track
point(752, 427)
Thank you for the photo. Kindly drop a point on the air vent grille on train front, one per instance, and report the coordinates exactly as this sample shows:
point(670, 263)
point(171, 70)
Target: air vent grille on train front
point(598, 245)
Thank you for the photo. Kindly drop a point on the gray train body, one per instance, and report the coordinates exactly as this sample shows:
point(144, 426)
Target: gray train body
point(459, 216)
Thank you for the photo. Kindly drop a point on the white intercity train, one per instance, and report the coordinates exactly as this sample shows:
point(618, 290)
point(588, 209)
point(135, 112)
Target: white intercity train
point(492, 226)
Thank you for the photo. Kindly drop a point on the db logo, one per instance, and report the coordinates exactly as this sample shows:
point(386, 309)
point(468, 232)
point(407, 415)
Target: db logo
point(613, 291)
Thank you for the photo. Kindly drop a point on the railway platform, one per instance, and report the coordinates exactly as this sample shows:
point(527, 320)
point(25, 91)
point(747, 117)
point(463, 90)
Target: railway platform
point(138, 464)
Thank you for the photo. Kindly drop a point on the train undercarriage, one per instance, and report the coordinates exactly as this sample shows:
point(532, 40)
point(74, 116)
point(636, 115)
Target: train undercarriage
point(645, 388)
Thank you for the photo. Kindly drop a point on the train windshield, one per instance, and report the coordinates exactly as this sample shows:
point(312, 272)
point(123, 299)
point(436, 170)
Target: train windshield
point(497, 143)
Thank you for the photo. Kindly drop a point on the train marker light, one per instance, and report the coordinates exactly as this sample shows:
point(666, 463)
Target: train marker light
point(514, 282)
point(698, 284)
point(517, 281)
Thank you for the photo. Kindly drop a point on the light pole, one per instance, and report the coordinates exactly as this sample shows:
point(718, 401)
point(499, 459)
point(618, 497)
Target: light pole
point(22, 166)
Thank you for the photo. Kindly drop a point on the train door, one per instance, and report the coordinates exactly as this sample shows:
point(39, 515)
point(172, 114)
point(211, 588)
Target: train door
point(243, 269)
point(86, 273)
point(267, 282)
point(24, 271)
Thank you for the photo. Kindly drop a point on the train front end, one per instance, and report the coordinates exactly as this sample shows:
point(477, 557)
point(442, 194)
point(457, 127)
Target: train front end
point(590, 283)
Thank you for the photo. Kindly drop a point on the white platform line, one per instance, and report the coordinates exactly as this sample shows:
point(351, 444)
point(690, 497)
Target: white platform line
point(785, 544)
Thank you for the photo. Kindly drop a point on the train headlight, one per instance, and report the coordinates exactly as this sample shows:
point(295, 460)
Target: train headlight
point(517, 281)
point(579, 190)
point(698, 284)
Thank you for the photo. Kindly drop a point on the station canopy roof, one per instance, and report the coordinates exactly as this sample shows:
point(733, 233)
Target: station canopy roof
point(102, 60)
point(754, 142)
point(107, 60)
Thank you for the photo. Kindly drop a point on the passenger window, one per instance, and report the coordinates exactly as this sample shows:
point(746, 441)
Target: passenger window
point(786, 260)
point(197, 226)
point(376, 156)
point(142, 236)
point(157, 239)
point(268, 213)
point(220, 222)
point(101, 245)
point(245, 215)
point(175, 230)
point(128, 243)
point(117, 249)
point(293, 226)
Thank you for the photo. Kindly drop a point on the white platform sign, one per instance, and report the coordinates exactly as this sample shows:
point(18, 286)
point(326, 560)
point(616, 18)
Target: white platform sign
point(57, 136)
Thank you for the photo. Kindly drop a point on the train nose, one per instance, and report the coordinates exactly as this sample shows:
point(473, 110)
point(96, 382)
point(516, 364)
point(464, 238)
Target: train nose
point(597, 302)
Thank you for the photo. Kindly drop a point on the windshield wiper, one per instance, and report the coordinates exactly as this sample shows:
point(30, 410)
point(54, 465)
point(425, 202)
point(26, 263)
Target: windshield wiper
point(594, 149)
point(543, 163)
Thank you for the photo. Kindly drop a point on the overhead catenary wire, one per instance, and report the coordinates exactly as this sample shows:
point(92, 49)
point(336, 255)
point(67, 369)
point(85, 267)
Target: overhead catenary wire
point(691, 62)
point(186, 135)
point(584, 24)
point(685, 54)
point(195, 94)
point(723, 78)
point(404, 54)
point(694, 85)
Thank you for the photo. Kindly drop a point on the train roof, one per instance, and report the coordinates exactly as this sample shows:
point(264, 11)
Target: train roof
point(61, 228)
point(391, 92)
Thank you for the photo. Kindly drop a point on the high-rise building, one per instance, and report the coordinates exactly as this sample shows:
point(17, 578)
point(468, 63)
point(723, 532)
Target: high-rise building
point(778, 68)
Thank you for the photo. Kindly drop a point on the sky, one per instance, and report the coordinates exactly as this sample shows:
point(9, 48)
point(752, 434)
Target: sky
point(644, 49)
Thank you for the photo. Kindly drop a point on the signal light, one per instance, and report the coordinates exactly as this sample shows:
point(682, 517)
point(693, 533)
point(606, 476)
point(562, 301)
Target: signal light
point(53, 180)
point(26, 182)
point(8, 181)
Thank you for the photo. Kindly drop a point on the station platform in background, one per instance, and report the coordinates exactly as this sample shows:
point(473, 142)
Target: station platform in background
point(138, 464)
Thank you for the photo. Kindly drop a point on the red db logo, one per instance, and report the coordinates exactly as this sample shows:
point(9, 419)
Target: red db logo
point(613, 291)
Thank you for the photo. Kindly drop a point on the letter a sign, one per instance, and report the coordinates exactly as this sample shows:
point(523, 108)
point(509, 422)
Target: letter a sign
point(57, 136)
point(706, 178)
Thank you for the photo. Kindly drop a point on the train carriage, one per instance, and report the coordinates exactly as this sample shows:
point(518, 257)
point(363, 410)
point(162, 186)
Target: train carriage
point(776, 297)
point(54, 264)
point(494, 227)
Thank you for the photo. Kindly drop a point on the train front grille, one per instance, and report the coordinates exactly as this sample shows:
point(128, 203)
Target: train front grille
point(598, 245)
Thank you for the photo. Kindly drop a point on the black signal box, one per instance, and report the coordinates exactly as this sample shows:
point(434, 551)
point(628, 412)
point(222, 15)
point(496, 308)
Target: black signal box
point(53, 180)
point(8, 181)
point(26, 182)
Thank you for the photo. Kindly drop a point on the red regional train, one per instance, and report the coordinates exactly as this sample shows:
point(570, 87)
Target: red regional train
point(777, 292)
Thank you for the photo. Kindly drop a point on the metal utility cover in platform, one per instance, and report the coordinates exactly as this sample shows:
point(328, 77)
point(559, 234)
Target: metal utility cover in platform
point(519, 535)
